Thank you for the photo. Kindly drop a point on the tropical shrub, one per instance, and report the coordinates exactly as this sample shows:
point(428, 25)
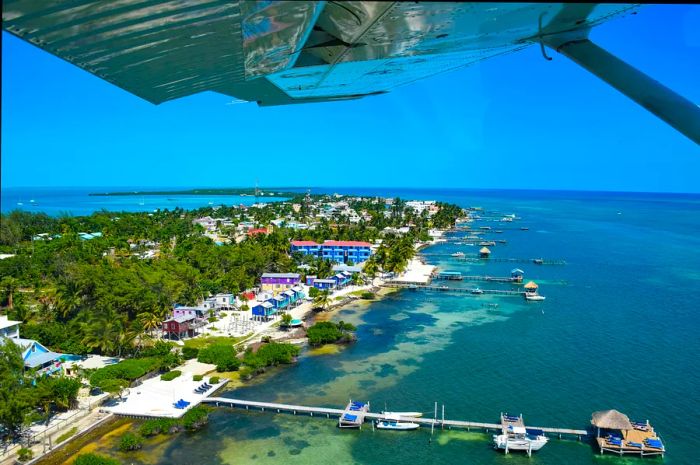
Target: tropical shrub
point(221, 355)
point(171, 375)
point(94, 459)
point(24, 454)
point(214, 380)
point(197, 377)
point(325, 332)
point(130, 441)
point(189, 352)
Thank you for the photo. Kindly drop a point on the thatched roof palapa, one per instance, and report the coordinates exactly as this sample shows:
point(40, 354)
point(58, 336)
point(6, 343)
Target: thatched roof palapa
point(531, 285)
point(611, 419)
point(484, 250)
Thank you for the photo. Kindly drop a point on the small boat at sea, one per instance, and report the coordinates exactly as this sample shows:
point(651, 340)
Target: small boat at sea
point(476, 291)
point(538, 261)
point(487, 243)
point(534, 297)
point(396, 425)
point(458, 254)
point(524, 228)
point(516, 436)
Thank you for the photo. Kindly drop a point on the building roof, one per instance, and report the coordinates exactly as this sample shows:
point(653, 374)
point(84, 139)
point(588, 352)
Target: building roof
point(517, 271)
point(180, 319)
point(289, 293)
point(531, 285)
point(297, 289)
point(347, 243)
point(302, 243)
point(484, 250)
point(280, 275)
point(7, 323)
point(265, 305)
point(611, 419)
point(324, 281)
point(41, 358)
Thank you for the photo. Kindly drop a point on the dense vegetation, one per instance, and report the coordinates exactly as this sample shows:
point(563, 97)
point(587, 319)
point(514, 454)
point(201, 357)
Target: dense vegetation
point(325, 332)
point(100, 296)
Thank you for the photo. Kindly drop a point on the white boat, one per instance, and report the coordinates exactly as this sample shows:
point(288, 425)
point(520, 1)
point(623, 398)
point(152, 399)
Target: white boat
point(396, 415)
point(516, 436)
point(477, 291)
point(396, 425)
point(535, 297)
point(458, 254)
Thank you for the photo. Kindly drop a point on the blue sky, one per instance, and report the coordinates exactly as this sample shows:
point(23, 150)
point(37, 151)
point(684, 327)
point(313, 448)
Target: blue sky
point(515, 121)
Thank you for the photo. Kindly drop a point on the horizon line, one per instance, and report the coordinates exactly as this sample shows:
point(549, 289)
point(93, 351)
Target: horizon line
point(273, 187)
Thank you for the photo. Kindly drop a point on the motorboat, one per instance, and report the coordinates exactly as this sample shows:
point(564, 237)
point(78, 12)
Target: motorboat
point(476, 291)
point(458, 254)
point(516, 436)
point(396, 425)
point(534, 297)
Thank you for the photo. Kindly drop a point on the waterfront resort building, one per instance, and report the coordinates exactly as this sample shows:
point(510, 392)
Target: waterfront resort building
point(337, 251)
point(484, 252)
point(279, 282)
point(516, 275)
point(180, 327)
point(35, 355)
point(531, 287)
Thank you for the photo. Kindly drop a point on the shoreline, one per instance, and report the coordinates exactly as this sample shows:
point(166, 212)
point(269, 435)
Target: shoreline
point(305, 312)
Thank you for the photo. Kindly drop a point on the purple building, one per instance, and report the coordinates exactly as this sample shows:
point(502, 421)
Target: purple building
point(278, 282)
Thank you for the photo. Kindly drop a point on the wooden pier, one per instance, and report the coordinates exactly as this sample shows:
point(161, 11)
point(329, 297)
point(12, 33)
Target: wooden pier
point(424, 287)
point(495, 279)
point(476, 259)
point(339, 413)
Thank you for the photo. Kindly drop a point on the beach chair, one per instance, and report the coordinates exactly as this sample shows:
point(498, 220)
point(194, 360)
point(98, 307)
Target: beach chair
point(638, 445)
point(615, 441)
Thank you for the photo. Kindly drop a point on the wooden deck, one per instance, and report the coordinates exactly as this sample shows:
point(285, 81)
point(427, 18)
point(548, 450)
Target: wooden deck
point(630, 437)
point(339, 412)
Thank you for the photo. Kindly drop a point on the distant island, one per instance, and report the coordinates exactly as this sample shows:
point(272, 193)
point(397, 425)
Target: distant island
point(226, 191)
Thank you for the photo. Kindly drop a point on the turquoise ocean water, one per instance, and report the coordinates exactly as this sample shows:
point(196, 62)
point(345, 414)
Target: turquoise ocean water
point(619, 329)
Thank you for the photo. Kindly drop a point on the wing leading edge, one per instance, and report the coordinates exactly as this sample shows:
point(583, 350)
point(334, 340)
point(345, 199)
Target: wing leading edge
point(282, 52)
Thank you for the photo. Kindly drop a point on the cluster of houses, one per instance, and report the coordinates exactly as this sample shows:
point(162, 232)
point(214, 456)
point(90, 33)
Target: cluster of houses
point(186, 321)
point(337, 281)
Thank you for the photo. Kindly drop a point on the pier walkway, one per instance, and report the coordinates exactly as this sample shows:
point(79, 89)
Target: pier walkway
point(462, 290)
point(475, 258)
point(339, 412)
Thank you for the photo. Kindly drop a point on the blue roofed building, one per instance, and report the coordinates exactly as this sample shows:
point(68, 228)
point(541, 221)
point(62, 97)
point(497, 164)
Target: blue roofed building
point(39, 358)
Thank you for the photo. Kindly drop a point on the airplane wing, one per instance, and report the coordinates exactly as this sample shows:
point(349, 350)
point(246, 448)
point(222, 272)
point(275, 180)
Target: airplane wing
point(282, 52)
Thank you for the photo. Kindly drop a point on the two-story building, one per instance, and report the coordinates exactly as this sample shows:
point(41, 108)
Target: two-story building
point(278, 282)
point(35, 355)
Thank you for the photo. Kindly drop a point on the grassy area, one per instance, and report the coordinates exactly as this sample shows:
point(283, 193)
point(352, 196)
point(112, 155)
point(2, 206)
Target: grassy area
point(201, 342)
point(66, 435)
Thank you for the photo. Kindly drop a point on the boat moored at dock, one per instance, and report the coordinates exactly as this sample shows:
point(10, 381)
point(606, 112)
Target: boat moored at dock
point(516, 436)
point(396, 425)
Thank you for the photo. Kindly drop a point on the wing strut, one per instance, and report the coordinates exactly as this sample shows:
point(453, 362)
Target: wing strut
point(671, 107)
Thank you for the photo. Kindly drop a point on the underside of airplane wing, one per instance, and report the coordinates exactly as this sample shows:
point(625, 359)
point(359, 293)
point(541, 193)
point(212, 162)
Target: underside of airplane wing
point(281, 52)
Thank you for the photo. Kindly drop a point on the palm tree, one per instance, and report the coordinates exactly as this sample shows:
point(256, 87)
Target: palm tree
point(150, 321)
point(321, 300)
point(10, 285)
point(104, 331)
point(68, 299)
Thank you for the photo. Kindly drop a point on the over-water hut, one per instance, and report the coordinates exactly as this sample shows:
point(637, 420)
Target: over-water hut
point(617, 434)
point(517, 275)
point(531, 287)
point(484, 252)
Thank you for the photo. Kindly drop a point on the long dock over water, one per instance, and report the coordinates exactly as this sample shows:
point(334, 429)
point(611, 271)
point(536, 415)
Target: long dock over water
point(461, 290)
point(339, 412)
point(476, 259)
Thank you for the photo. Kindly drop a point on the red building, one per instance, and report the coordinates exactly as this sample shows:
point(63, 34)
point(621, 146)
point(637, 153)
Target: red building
point(179, 326)
point(255, 232)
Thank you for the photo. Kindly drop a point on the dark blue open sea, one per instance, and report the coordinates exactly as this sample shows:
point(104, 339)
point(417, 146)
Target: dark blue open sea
point(620, 329)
